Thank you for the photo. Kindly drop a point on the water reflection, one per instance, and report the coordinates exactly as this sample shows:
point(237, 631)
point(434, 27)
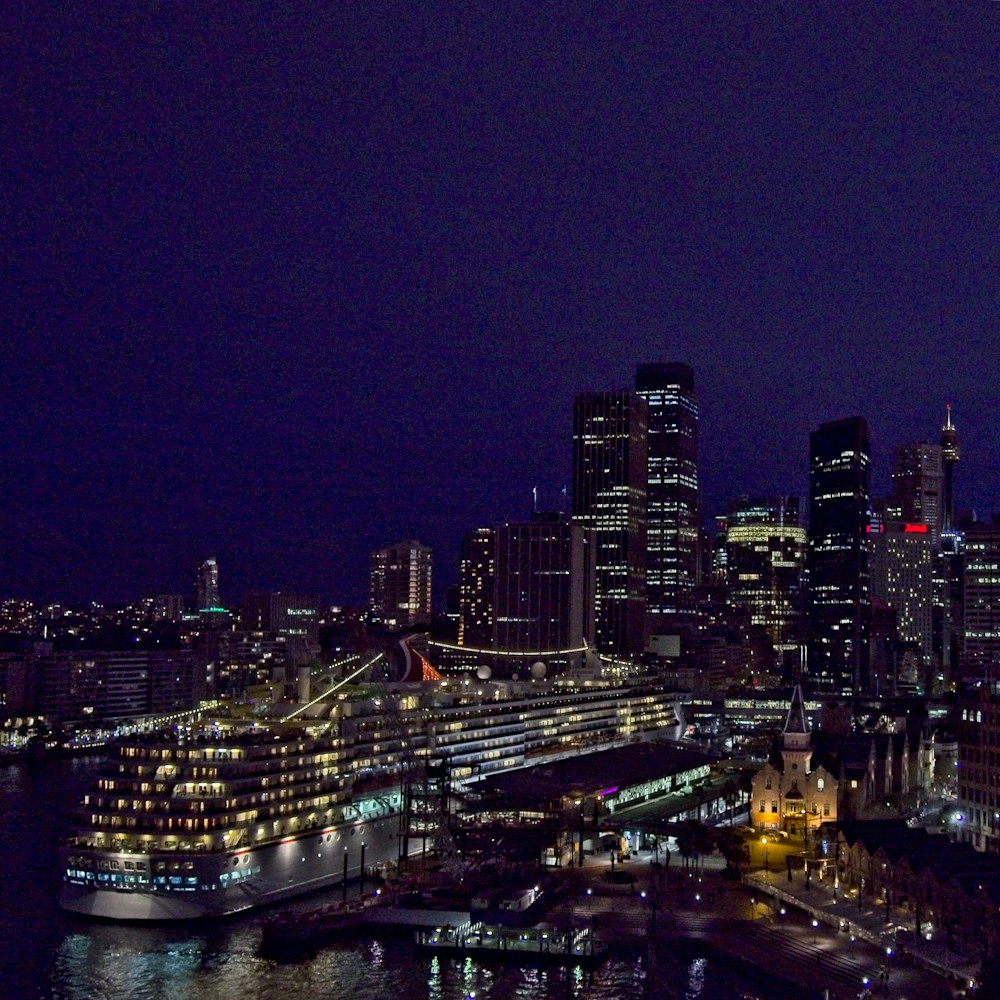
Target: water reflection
point(54, 956)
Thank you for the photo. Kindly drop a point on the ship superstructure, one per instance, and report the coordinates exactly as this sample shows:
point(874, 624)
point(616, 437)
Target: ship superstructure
point(234, 813)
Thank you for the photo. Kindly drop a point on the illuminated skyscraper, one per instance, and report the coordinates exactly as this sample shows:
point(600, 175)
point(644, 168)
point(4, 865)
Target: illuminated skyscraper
point(476, 579)
point(949, 458)
point(917, 483)
point(765, 558)
point(839, 604)
point(672, 496)
point(208, 586)
point(609, 497)
point(902, 576)
point(401, 585)
point(981, 604)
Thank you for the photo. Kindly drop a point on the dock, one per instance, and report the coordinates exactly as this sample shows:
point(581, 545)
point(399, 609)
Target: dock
point(580, 946)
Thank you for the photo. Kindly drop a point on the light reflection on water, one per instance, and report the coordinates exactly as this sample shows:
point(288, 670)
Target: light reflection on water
point(49, 955)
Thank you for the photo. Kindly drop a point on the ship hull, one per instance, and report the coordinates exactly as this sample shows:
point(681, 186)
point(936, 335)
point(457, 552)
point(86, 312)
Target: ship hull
point(186, 886)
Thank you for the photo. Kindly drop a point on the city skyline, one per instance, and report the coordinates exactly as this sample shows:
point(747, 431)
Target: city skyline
point(283, 291)
point(447, 562)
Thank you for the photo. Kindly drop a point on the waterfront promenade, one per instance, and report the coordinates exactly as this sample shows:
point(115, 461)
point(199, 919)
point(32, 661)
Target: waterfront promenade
point(803, 935)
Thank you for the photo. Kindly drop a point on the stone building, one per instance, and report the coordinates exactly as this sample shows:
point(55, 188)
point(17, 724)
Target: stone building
point(794, 798)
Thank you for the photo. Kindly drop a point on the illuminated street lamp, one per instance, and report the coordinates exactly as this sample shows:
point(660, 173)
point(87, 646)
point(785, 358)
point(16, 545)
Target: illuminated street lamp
point(763, 840)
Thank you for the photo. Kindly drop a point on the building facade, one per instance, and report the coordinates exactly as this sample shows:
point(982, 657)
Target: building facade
point(207, 589)
point(400, 595)
point(477, 571)
point(902, 563)
point(609, 499)
point(794, 798)
point(544, 595)
point(918, 488)
point(672, 493)
point(839, 604)
point(981, 602)
point(764, 565)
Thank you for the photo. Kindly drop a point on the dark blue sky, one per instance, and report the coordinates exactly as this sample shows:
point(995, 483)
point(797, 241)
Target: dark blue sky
point(283, 286)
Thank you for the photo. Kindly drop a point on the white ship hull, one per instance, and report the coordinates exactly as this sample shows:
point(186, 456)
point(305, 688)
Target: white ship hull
point(186, 886)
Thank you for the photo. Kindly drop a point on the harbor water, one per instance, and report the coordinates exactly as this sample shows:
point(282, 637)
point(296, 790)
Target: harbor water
point(47, 954)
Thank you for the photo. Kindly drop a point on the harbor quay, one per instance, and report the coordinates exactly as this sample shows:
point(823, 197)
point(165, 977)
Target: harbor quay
point(786, 931)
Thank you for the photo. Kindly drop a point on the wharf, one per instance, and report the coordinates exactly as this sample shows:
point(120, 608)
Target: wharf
point(292, 934)
point(517, 944)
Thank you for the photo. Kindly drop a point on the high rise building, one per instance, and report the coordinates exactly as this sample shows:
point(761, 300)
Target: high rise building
point(476, 579)
point(544, 594)
point(672, 494)
point(208, 586)
point(902, 576)
point(918, 483)
point(839, 605)
point(765, 558)
point(401, 585)
point(609, 498)
point(949, 459)
point(280, 613)
point(981, 604)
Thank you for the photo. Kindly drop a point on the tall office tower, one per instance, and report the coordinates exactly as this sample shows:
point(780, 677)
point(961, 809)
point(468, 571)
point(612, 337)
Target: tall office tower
point(401, 585)
point(839, 606)
point(208, 586)
point(475, 582)
point(544, 594)
point(949, 458)
point(765, 566)
point(981, 645)
point(609, 498)
point(672, 497)
point(917, 485)
point(902, 576)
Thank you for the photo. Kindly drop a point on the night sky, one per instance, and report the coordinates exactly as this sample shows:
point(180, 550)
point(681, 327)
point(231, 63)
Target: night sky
point(284, 285)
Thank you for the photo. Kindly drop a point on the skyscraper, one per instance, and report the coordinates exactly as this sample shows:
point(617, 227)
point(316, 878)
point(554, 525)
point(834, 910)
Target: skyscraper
point(765, 559)
point(401, 585)
point(544, 597)
point(476, 580)
point(839, 605)
point(949, 458)
point(917, 483)
point(609, 497)
point(208, 586)
point(672, 496)
point(902, 576)
point(981, 604)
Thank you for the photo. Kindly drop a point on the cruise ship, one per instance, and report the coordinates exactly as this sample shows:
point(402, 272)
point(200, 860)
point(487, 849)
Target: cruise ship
point(234, 813)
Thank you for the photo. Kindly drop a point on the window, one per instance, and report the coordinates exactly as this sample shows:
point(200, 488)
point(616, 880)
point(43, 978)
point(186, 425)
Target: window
point(820, 784)
point(826, 808)
point(760, 806)
point(767, 782)
point(774, 805)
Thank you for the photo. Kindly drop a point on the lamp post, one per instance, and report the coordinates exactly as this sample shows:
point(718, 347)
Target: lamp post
point(815, 929)
point(763, 840)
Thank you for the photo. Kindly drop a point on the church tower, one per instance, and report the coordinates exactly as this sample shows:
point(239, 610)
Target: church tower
point(796, 743)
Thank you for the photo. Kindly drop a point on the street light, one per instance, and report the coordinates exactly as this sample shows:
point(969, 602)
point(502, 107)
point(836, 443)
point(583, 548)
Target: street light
point(815, 927)
point(763, 840)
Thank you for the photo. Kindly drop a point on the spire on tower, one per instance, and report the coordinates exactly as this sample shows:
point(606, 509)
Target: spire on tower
point(796, 720)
